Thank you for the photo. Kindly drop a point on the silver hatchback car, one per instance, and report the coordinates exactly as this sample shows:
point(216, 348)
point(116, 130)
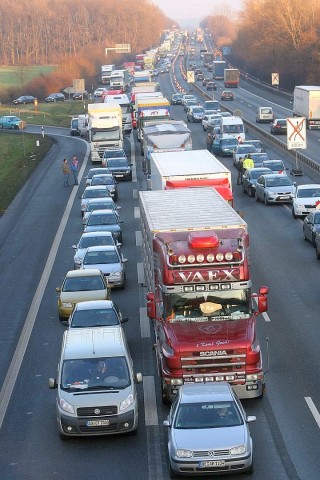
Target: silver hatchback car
point(208, 431)
point(274, 188)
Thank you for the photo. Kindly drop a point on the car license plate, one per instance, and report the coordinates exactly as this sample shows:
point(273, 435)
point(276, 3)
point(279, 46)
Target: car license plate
point(119, 176)
point(284, 197)
point(97, 423)
point(212, 463)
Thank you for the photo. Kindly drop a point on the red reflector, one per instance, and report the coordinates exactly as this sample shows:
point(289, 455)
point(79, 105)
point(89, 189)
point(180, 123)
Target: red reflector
point(203, 241)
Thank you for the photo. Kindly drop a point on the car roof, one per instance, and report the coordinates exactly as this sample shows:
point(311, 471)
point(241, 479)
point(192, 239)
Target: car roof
point(94, 342)
point(105, 211)
point(92, 304)
point(104, 248)
point(198, 393)
point(96, 234)
point(83, 273)
point(95, 187)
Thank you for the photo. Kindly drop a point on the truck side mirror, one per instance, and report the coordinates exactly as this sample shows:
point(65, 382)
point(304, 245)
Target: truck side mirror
point(263, 299)
point(151, 306)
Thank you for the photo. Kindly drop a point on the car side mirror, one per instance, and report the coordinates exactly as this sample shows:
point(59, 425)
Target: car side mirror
point(52, 383)
point(138, 377)
point(251, 418)
point(58, 289)
point(166, 423)
point(124, 320)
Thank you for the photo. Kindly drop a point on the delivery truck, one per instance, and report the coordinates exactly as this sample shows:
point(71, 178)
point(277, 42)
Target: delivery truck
point(306, 103)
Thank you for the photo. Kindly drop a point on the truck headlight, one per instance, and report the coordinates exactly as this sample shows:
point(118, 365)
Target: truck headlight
point(182, 453)
point(66, 406)
point(127, 402)
point(176, 381)
point(252, 377)
point(240, 450)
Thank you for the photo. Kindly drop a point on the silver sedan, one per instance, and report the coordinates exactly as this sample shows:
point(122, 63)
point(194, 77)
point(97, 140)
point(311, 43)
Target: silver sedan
point(275, 188)
point(208, 431)
point(110, 261)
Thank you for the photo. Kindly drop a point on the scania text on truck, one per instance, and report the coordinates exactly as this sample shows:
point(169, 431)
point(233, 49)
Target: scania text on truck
point(173, 136)
point(189, 169)
point(218, 69)
point(106, 72)
point(196, 270)
point(306, 103)
point(151, 109)
point(123, 101)
point(231, 77)
point(105, 128)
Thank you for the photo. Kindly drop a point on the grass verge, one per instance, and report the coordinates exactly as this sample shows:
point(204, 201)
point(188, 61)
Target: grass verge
point(54, 114)
point(19, 157)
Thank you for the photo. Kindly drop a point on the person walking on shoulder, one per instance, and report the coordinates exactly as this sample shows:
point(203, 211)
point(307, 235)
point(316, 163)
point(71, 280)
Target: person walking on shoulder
point(209, 141)
point(240, 171)
point(66, 172)
point(74, 169)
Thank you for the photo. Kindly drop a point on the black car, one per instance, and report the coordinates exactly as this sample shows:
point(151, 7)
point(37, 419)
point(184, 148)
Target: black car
point(176, 99)
point(279, 126)
point(24, 99)
point(205, 81)
point(200, 76)
point(80, 95)
point(120, 168)
point(55, 97)
point(250, 178)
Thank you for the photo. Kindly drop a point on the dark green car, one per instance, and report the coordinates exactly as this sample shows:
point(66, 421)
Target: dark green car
point(224, 146)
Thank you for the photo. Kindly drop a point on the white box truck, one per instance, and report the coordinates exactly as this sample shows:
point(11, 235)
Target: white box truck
point(306, 103)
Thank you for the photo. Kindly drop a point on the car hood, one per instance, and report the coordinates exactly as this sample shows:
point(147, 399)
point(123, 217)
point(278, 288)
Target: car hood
point(209, 438)
point(119, 169)
point(91, 398)
point(107, 268)
point(311, 201)
point(284, 189)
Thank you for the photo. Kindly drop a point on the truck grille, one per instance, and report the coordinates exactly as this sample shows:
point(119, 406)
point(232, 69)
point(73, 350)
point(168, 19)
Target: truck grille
point(91, 411)
point(210, 363)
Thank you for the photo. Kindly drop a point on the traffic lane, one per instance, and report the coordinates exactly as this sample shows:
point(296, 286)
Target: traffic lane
point(27, 231)
point(42, 358)
point(283, 261)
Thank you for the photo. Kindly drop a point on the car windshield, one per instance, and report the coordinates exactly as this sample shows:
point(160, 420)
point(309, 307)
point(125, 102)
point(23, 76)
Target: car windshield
point(281, 122)
point(255, 174)
point(219, 305)
point(95, 317)
point(95, 373)
point(197, 110)
point(280, 181)
point(86, 242)
point(207, 415)
point(245, 149)
point(316, 218)
point(308, 192)
point(214, 105)
point(233, 128)
point(83, 284)
point(117, 162)
point(261, 157)
point(274, 165)
point(102, 219)
point(113, 153)
point(95, 193)
point(103, 258)
point(102, 180)
point(227, 142)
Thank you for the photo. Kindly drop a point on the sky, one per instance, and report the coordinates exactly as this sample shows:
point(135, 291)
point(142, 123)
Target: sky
point(191, 12)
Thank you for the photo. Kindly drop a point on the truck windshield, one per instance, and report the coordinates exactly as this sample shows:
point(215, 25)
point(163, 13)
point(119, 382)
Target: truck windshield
point(101, 135)
point(208, 306)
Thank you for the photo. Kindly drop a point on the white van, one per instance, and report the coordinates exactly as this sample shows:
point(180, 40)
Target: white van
point(264, 115)
point(232, 127)
point(96, 384)
point(123, 101)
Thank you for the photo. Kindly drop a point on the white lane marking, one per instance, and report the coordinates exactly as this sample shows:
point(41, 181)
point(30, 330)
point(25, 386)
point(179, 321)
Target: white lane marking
point(138, 238)
point(136, 212)
point(264, 314)
point(150, 404)
point(313, 410)
point(260, 98)
point(140, 272)
point(144, 323)
point(15, 365)
point(135, 194)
